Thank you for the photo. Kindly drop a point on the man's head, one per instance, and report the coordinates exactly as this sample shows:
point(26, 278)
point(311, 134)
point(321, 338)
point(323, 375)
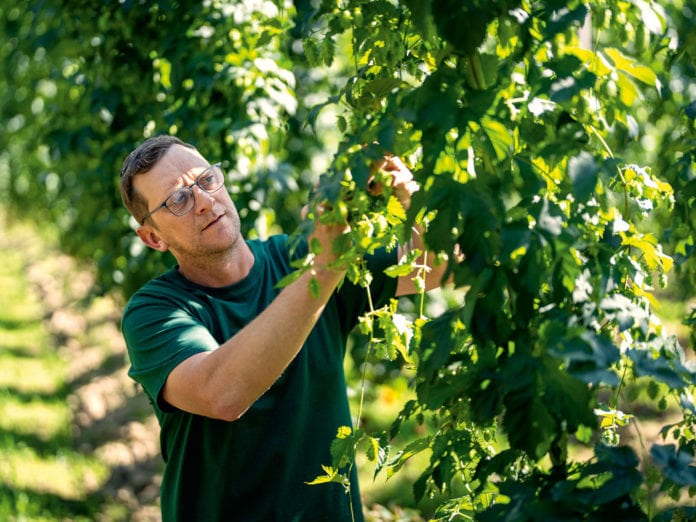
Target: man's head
point(176, 196)
point(140, 161)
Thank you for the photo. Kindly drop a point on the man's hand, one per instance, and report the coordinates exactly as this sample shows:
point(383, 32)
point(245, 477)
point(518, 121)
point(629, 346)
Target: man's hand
point(402, 183)
point(325, 234)
point(391, 169)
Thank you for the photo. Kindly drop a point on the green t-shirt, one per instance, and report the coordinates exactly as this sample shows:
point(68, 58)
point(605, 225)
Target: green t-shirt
point(255, 468)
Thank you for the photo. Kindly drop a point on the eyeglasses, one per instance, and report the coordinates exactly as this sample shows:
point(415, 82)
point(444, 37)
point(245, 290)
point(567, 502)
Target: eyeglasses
point(181, 201)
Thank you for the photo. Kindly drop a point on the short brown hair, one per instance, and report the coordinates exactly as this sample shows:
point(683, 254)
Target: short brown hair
point(140, 161)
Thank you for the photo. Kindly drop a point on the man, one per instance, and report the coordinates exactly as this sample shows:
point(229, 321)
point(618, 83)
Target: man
point(246, 379)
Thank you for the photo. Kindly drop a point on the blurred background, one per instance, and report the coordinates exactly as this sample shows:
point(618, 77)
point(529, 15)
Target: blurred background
point(85, 82)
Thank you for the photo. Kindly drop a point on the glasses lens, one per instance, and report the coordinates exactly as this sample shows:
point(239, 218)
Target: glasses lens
point(181, 201)
point(212, 179)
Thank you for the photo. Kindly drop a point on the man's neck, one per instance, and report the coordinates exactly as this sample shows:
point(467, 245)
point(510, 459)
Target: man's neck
point(217, 271)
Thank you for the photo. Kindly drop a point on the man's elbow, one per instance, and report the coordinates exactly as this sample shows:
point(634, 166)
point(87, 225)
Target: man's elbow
point(228, 409)
point(212, 404)
point(229, 415)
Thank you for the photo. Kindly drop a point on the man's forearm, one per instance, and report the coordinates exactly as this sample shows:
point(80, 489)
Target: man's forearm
point(225, 382)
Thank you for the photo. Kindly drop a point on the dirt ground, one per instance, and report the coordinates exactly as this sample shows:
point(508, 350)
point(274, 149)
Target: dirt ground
point(110, 418)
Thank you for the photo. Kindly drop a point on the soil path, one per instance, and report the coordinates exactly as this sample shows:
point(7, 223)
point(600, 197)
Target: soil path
point(110, 418)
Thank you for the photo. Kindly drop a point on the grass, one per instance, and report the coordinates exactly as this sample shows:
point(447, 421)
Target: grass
point(42, 477)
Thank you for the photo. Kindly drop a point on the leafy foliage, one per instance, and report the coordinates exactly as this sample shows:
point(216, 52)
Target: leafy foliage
point(516, 130)
point(527, 125)
point(109, 74)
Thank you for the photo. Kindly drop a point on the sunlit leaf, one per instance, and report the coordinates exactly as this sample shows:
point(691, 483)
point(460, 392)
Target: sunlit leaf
point(631, 67)
point(595, 62)
point(331, 475)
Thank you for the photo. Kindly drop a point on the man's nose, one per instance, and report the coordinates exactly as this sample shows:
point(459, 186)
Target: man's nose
point(203, 200)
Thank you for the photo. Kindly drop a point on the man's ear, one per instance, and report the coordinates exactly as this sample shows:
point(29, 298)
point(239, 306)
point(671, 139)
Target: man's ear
point(151, 238)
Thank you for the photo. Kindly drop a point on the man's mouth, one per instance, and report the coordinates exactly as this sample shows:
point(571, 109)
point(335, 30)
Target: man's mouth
point(215, 220)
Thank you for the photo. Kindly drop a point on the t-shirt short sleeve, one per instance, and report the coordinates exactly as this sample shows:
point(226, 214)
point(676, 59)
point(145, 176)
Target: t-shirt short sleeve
point(170, 319)
point(218, 470)
point(160, 334)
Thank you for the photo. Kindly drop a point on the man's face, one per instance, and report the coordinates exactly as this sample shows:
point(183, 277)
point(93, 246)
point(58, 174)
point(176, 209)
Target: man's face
point(211, 227)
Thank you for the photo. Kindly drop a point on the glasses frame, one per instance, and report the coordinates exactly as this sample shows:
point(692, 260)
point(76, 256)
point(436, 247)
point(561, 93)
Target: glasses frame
point(217, 165)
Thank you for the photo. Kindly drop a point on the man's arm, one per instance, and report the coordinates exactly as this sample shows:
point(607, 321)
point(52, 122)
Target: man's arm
point(403, 187)
point(431, 273)
point(225, 382)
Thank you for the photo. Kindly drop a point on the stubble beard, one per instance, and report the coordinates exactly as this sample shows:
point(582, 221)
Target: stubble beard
point(203, 254)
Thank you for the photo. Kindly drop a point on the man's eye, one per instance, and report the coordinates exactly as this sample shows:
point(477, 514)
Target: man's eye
point(178, 199)
point(208, 180)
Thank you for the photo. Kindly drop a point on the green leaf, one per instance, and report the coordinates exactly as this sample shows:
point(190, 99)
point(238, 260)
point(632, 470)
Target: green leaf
point(588, 356)
point(620, 485)
point(677, 465)
point(422, 17)
point(584, 434)
point(498, 464)
point(477, 285)
point(500, 136)
point(420, 486)
point(395, 211)
point(435, 345)
point(462, 24)
point(529, 425)
point(565, 89)
point(412, 448)
point(550, 218)
point(331, 475)
point(376, 451)
point(489, 69)
point(631, 67)
point(290, 278)
point(562, 19)
point(651, 251)
point(314, 287)
point(397, 331)
point(583, 172)
point(343, 447)
point(650, 364)
point(567, 398)
point(619, 463)
point(465, 212)
point(381, 87)
point(620, 458)
point(398, 270)
point(595, 62)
